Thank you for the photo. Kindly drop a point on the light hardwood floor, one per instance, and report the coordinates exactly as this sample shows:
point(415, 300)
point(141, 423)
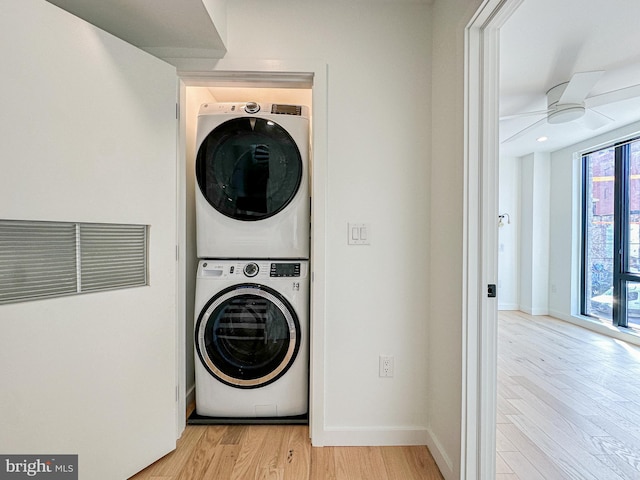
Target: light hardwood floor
point(568, 402)
point(243, 452)
point(568, 408)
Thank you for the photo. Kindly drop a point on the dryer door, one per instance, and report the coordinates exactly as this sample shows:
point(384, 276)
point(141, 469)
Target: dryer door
point(249, 168)
point(247, 336)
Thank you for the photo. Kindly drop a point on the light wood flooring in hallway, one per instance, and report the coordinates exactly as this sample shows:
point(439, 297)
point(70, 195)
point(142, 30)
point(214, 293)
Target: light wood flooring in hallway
point(568, 402)
point(243, 452)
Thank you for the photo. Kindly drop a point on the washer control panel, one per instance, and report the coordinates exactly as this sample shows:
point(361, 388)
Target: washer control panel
point(252, 269)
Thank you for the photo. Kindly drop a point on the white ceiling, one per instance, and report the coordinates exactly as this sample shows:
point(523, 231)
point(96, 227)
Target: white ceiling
point(544, 43)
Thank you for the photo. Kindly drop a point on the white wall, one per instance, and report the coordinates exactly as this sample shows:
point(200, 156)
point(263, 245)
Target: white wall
point(88, 134)
point(445, 382)
point(508, 234)
point(378, 170)
point(534, 233)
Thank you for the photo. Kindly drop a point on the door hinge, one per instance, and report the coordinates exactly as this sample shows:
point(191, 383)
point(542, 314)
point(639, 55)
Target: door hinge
point(492, 291)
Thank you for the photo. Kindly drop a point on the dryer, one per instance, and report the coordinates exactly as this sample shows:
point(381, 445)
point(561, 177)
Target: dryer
point(252, 175)
point(252, 338)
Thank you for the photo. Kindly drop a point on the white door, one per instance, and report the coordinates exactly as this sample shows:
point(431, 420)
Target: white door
point(88, 134)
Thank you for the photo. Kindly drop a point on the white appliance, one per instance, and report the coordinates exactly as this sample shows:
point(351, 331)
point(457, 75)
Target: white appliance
point(252, 175)
point(252, 338)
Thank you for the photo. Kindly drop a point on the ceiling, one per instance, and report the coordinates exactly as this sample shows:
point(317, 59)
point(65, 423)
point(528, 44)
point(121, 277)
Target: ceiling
point(544, 43)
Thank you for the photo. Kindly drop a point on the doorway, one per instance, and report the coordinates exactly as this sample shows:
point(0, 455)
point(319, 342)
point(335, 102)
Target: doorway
point(259, 81)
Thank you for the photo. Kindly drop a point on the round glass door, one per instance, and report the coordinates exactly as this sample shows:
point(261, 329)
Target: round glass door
point(249, 168)
point(247, 336)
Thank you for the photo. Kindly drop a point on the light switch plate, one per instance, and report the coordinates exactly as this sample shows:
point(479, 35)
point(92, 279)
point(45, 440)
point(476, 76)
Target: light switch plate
point(358, 234)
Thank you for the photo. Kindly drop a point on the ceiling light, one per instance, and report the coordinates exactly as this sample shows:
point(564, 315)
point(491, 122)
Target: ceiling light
point(566, 113)
point(542, 139)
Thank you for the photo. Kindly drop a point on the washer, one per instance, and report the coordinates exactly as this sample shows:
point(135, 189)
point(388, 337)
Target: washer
point(252, 338)
point(252, 175)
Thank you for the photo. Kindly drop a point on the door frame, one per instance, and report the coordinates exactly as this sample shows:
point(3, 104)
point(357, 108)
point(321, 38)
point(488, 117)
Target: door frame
point(274, 74)
point(480, 262)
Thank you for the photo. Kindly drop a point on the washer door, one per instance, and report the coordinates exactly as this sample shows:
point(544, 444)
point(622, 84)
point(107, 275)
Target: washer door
point(247, 336)
point(249, 168)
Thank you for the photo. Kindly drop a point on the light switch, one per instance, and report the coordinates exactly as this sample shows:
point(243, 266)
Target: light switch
point(359, 234)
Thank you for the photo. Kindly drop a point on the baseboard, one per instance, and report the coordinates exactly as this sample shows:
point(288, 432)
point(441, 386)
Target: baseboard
point(374, 436)
point(440, 456)
point(596, 326)
point(508, 306)
point(534, 311)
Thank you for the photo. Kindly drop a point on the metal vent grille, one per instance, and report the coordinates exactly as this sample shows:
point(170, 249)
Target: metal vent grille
point(37, 260)
point(51, 259)
point(112, 256)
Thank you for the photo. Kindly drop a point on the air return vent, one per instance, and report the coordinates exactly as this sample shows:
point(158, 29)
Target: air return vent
point(51, 259)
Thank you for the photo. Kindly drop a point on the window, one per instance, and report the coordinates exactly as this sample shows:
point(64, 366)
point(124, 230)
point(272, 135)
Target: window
point(611, 234)
point(53, 259)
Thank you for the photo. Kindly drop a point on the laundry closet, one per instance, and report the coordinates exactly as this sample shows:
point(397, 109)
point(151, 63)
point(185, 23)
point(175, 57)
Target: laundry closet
point(248, 204)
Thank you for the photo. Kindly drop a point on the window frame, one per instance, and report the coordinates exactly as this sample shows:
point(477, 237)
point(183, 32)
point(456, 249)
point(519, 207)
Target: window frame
point(621, 233)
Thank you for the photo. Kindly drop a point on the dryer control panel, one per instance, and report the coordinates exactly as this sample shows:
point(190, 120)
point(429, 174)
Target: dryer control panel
point(285, 270)
point(252, 108)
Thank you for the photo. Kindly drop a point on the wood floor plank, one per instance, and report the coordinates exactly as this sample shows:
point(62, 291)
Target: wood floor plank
point(202, 454)
point(522, 467)
point(223, 462)
point(372, 463)
point(323, 464)
point(544, 464)
point(501, 465)
point(248, 461)
point(410, 463)
point(503, 444)
point(620, 466)
point(347, 464)
point(298, 453)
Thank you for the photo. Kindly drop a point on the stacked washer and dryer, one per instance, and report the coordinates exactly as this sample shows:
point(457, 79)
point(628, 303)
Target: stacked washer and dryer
point(252, 285)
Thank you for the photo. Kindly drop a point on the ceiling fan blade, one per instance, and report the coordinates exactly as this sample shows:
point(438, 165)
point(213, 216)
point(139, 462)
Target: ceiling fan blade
point(613, 96)
point(579, 87)
point(594, 120)
point(526, 130)
point(525, 114)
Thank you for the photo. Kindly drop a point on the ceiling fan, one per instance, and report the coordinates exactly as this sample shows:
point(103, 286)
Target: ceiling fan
point(569, 101)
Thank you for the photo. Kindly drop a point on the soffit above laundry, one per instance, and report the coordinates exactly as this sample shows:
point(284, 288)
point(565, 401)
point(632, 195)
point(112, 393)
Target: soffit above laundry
point(169, 29)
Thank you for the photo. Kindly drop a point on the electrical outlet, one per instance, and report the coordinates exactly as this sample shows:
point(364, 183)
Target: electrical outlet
point(386, 365)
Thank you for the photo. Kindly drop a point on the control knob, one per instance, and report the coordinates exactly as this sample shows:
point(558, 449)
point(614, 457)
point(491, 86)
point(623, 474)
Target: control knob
point(252, 107)
point(251, 269)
